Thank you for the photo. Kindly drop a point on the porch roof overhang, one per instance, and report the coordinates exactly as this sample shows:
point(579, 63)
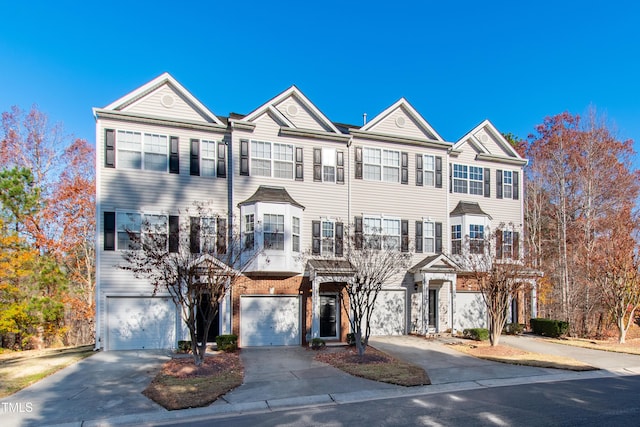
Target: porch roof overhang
point(330, 267)
point(438, 263)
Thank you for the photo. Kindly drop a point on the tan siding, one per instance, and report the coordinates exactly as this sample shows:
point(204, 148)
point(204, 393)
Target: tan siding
point(304, 119)
point(151, 105)
point(491, 144)
point(410, 129)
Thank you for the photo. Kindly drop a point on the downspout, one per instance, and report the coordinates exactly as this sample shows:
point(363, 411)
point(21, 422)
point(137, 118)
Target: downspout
point(98, 337)
point(349, 144)
point(231, 227)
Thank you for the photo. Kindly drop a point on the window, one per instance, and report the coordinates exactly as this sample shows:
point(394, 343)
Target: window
point(273, 226)
point(283, 161)
point(460, 176)
point(260, 158)
point(328, 165)
point(429, 237)
point(128, 225)
point(507, 244)
point(381, 165)
point(391, 233)
point(155, 152)
point(295, 233)
point(208, 235)
point(207, 158)
point(456, 239)
point(476, 181)
point(248, 231)
point(271, 159)
point(476, 238)
point(382, 233)
point(328, 173)
point(129, 149)
point(507, 184)
point(137, 151)
point(372, 232)
point(328, 238)
point(429, 170)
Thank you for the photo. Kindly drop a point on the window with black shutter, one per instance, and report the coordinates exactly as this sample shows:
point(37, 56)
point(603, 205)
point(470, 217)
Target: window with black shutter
point(419, 236)
point(195, 157)
point(516, 186)
point(404, 169)
point(109, 148)
point(109, 231)
point(487, 182)
point(299, 164)
point(221, 238)
point(438, 172)
point(317, 164)
point(194, 235)
point(174, 233)
point(339, 239)
point(358, 163)
point(340, 167)
point(358, 232)
point(174, 155)
point(316, 239)
point(419, 173)
point(498, 184)
point(404, 235)
point(221, 165)
point(438, 237)
point(244, 157)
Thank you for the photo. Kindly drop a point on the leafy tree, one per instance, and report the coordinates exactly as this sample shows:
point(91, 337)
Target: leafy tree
point(194, 279)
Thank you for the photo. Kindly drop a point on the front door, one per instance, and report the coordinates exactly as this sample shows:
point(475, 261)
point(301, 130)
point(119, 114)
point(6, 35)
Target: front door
point(203, 309)
point(433, 308)
point(328, 316)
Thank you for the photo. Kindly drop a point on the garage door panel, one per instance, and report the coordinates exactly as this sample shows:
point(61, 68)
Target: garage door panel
point(269, 321)
point(140, 323)
point(388, 316)
point(471, 311)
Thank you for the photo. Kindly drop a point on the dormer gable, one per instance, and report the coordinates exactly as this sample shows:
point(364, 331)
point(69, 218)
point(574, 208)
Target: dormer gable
point(489, 144)
point(163, 97)
point(401, 119)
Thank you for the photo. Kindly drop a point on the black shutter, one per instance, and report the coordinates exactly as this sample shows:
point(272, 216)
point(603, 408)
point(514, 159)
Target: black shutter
point(499, 244)
point(221, 238)
point(109, 148)
point(244, 157)
point(317, 164)
point(516, 245)
point(404, 170)
point(174, 155)
point(358, 163)
point(438, 237)
point(109, 231)
point(340, 167)
point(438, 172)
point(194, 235)
point(499, 184)
point(450, 178)
point(299, 164)
point(419, 172)
point(195, 157)
point(174, 233)
point(221, 166)
point(339, 239)
point(358, 232)
point(419, 236)
point(487, 182)
point(516, 186)
point(315, 232)
point(404, 235)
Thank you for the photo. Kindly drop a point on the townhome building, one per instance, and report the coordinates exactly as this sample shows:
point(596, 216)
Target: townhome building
point(296, 185)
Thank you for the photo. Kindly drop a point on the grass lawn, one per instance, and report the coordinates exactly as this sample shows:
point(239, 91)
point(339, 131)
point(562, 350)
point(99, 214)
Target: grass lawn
point(180, 384)
point(632, 346)
point(20, 369)
point(374, 365)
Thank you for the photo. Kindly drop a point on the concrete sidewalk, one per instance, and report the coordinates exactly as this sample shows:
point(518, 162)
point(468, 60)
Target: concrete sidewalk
point(105, 388)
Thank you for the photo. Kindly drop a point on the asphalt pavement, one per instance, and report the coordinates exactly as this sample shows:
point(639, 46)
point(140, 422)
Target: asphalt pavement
point(105, 389)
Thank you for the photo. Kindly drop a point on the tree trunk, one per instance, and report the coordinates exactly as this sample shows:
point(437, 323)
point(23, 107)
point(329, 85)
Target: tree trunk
point(622, 331)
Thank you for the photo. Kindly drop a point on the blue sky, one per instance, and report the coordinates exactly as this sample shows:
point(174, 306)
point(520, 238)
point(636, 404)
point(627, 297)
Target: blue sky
point(457, 63)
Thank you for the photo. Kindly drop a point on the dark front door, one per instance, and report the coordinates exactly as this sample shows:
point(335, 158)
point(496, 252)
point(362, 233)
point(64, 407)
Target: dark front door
point(433, 307)
point(203, 309)
point(328, 315)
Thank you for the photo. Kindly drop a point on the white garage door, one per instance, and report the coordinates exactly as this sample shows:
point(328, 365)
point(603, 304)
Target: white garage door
point(140, 323)
point(388, 316)
point(269, 320)
point(471, 311)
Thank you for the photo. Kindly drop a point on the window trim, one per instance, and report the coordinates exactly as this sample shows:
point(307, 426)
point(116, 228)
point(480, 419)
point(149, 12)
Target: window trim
point(272, 159)
point(506, 186)
point(141, 232)
point(324, 239)
point(456, 239)
point(382, 234)
point(425, 236)
point(246, 232)
point(276, 233)
point(142, 151)
point(213, 159)
point(473, 180)
point(425, 170)
point(476, 239)
point(382, 165)
point(295, 236)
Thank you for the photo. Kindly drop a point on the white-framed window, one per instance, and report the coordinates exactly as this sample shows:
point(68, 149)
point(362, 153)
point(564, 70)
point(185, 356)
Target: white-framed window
point(249, 231)
point(507, 184)
point(327, 238)
point(476, 180)
point(273, 232)
point(476, 238)
point(381, 165)
point(131, 226)
point(272, 159)
point(460, 178)
point(208, 157)
point(429, 165)
point(295, 234)
point(208, 235)
point(456, 239)
point(429, 230)
point(507, 244)
point(148, 151)
point(382, 232)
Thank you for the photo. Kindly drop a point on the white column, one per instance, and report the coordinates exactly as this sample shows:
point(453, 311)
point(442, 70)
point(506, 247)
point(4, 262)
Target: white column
point(453, 303)
point(315, 307)
point(425, 304)
point(534, 299)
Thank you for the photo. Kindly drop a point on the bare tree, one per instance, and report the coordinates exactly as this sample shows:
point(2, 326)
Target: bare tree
point(197, 262)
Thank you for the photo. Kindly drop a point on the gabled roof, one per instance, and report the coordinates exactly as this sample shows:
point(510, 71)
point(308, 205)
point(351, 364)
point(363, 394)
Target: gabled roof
point(163, 79)
point(435, 262)
point(269, 106)
point(269, 194)
point(468, 208)
point(331, 266)
point(403, 104)
point(507, 150)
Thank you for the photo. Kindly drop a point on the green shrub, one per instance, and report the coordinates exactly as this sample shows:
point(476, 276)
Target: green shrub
point(351, 339)
point(478, 334)
point(549, 327)
point(318, 343)
point(514, 329)
point(184, 346)
point(227, 342)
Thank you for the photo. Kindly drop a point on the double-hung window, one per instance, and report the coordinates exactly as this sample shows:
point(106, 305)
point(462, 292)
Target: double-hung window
point(382, 233)
point(372, 168)
point(372, 232)
point(476, 238)
point(208, 158)
point(381, 165)
point(429, 231)
point(155, 152)
point(129, 149)
point(328, 238)
point(272, 159)
point(391, 233)
point(456, 239)
point(248, 232)
point(295, 234)
point(328, 165)
point(507, 184)
point(147, 151)
point(129, 227)
point(476, 181)
point(273, 232)
point(507, 244)
point(429, 165)
point(460, 177)
point(390, 166)
point(208, 235)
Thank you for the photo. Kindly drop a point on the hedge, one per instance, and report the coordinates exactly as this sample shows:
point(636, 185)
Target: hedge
point(478, 334)
point(549, 327)
point(227, 342)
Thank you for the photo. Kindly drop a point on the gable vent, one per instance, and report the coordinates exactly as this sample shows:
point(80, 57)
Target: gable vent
point(400, 121)
point(292, 110)
point(167, 100)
